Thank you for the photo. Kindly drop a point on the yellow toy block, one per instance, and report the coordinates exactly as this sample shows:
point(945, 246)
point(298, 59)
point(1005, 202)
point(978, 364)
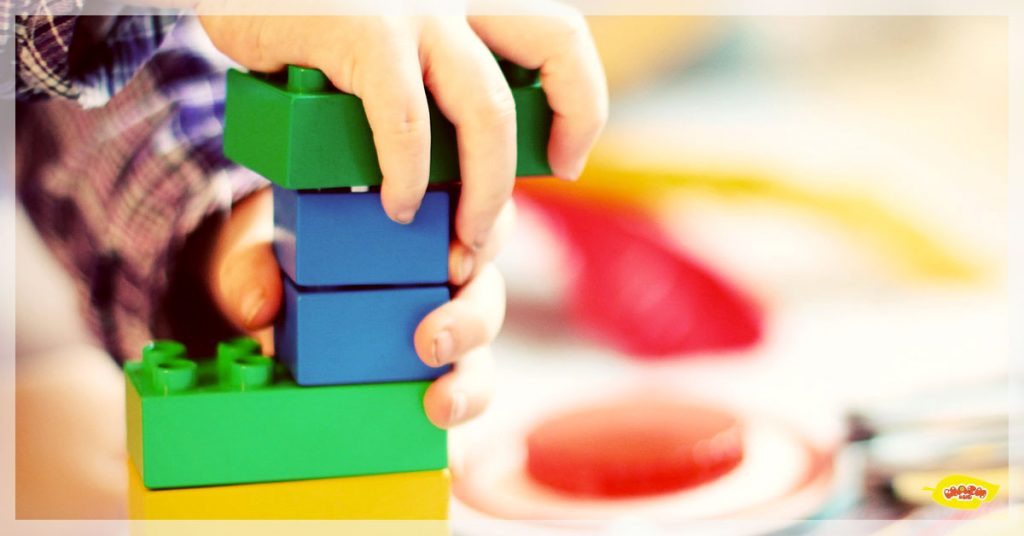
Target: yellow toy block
point(417, 495)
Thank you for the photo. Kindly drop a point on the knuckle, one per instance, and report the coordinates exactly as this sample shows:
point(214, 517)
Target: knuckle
point(375, 29)
point(574, 27)
point(411, 125)
point(390, 25)
point(496, 109)
point(259, 48)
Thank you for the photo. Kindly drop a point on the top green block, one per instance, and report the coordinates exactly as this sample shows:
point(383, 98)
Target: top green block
point(298, 131)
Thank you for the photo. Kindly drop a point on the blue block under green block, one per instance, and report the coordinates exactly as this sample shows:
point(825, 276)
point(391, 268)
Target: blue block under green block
point(334, 238)
point(346, 336)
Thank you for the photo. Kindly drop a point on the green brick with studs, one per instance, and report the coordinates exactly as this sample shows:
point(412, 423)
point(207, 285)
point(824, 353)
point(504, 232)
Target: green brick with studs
point(297, 130)
point(239, 418)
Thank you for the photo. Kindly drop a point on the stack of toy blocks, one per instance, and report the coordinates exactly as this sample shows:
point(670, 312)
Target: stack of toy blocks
point(335, 428)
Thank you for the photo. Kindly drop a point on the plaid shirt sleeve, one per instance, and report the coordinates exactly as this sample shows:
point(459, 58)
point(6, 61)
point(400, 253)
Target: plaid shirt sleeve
point(117, 190)
point(88, 59)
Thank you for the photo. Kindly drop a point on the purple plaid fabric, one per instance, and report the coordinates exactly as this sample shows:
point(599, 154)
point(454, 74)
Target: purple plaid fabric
point(119, 157)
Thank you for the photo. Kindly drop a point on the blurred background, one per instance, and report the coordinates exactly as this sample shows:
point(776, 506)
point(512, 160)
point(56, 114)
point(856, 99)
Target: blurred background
point(797, 222)
point(784, 269)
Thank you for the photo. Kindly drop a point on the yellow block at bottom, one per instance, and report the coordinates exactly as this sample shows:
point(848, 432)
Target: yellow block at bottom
point(417, 495)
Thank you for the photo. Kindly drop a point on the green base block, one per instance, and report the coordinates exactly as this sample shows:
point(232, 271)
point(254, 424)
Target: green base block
point(240, 419)
point(301, 133)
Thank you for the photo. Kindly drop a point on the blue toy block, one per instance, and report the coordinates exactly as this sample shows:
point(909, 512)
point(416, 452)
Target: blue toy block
point(349, 336)
point(335, 238)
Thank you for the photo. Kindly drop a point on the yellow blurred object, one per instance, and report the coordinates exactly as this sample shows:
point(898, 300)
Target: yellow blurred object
point(962, 492)
point(913, 486)
point(635, 49)
point(613, 177)
point(418, 495)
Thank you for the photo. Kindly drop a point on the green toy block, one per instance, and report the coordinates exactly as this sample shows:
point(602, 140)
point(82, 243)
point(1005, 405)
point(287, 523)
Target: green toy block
point(239, 418)
point(298, 131)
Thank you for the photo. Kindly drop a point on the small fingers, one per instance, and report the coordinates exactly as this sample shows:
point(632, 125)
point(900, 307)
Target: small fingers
point(559, 45)
point(463, 393)
point(250, 287)
point(472, 93)
point(388, 78)
point(243, 272)
point(464, 262)
point(471, 320)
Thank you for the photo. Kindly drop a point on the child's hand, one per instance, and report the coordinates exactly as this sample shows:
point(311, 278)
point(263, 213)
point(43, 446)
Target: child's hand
point(388, 61)
point(244, 280)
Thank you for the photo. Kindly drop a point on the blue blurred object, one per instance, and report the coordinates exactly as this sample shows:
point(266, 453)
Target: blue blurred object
point(349, 336)
point(334, 238)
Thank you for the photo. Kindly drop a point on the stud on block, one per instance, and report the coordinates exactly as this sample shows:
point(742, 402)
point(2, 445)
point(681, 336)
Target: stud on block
point(331, 238)
point(346, 336)
point(296, 130)
point(239, 418)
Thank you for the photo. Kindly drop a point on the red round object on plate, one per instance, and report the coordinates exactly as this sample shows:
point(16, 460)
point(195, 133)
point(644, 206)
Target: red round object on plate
point(634, 448)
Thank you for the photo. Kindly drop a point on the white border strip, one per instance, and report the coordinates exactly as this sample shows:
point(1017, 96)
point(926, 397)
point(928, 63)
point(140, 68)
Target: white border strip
point(588, 7)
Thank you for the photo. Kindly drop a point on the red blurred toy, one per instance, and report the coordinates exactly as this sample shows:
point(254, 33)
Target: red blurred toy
point(633, 288)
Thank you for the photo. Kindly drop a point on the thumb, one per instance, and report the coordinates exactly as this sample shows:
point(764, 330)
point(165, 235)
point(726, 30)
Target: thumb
point(242, 273)
point(249, 286)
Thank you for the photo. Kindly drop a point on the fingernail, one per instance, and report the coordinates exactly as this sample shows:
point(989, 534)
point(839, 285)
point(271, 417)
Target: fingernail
point(458, 410)
point(405, 217)
point(252, 304)
point(465, 266)
point(443, 348)
point(577, 170)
